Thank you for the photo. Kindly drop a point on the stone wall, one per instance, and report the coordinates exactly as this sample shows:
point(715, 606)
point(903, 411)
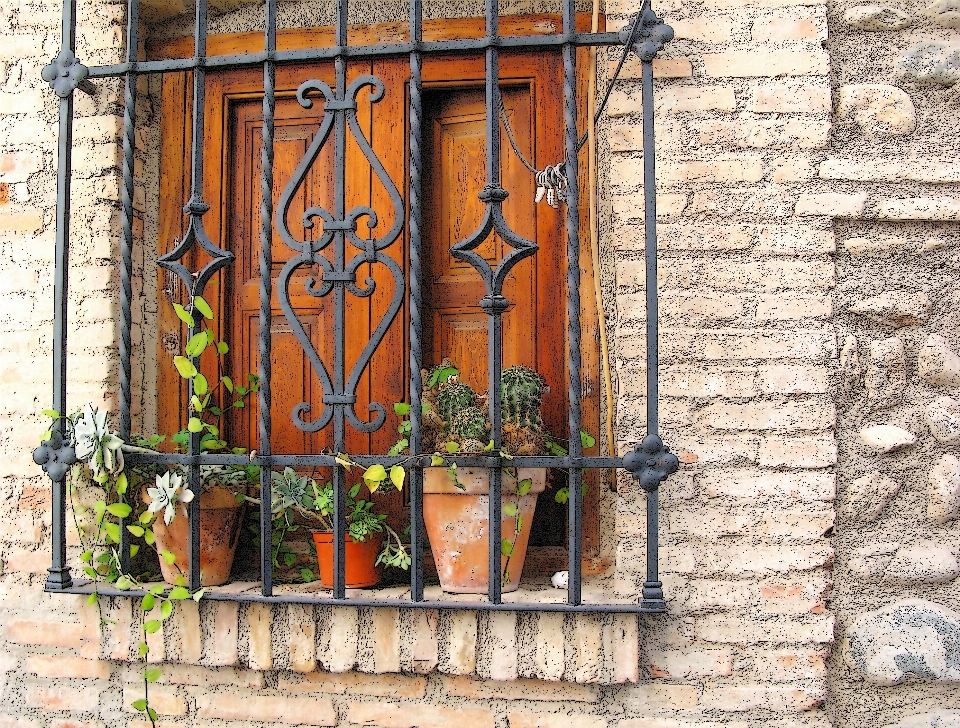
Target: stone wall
point(808, 222)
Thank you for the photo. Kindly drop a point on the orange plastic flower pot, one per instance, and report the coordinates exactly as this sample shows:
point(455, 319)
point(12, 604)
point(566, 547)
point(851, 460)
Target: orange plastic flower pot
point(361, 558)
point(220, 517)
point(457, 523)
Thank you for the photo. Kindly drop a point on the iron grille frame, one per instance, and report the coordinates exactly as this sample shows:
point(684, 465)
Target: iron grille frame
point(650, 463)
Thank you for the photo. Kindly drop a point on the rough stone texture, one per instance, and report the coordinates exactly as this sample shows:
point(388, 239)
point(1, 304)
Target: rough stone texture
point(944, 490)
point(937, 363)
point(876, 18)
point(943, 419)
point(877, 109)
point(936, 719)
point(886, 374)
point(932, 62)
point(912, 637)
point(867, 496)
point(895, 308)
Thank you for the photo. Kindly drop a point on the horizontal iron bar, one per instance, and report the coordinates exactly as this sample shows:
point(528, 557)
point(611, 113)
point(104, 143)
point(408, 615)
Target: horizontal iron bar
point(647, 607)
point(531, 461)
point(247, 60)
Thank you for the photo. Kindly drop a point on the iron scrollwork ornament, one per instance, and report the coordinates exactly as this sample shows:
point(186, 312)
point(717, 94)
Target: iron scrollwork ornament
point(56, 456)
point(65, 73)
point(649, 37)
point(339, 274)
point(651, 462)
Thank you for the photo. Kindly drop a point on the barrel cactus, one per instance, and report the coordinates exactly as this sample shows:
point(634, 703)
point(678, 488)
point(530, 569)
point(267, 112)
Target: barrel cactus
point(521, 394)
point(470, 424)
point(453, 399)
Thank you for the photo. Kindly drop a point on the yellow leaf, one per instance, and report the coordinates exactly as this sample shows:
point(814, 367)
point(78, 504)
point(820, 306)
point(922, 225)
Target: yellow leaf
point(397, 475)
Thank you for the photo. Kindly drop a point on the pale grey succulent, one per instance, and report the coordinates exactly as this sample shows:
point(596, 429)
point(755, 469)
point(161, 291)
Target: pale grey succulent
point(167, 494)
point(96, 445)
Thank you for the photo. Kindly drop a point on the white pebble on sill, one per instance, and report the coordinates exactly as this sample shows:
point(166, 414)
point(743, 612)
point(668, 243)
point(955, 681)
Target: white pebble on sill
point(560, 579)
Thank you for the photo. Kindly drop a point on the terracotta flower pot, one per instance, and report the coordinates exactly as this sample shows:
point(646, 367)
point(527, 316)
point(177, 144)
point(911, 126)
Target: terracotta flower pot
point(361, 558)
point(457, 523)
point(220, 519)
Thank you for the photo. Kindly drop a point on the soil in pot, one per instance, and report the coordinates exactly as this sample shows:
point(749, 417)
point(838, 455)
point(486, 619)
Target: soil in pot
point(457, 523)
point(361, 557)
point(220, 521)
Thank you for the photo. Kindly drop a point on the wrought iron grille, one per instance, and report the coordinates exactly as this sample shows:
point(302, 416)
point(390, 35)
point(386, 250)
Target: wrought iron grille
point(650, 463)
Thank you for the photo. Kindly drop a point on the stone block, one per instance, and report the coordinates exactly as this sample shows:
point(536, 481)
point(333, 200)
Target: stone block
point(943, 504)
point(751, 484)
point(458, 654)
point(930, 719)
point(164, 700)
point(549, 655)
point(797, 452)
point(867, 496)
point(943, 418)
point(793, 306)
point(895, 308)
point(63, 697)
point(337, 649)
point(886, 438)
point(832, 204)
point(879, 110)
point(766, 62)
point(302, 637)
point(886, 374)
point(945, 13)
point(737, 698)
point(37, 632)
point(873, 18)
point(910, 638)
point(691, 663)
point(417, 715)
point(937, 363)
point(358, 683)
point(521, 689)
point(266, 708)
point(789, 98)
point(67, 666)
point(554, 720)
point(784, 665)
point(931, 62)
point(260, 648)
point(222, 647)
point(779, 28)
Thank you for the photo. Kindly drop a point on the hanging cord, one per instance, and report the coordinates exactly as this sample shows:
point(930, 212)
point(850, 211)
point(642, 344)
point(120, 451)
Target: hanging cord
point(552, 181)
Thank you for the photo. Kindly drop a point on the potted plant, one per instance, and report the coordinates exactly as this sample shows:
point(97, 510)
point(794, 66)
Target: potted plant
point(369, 540)
point(456, 500)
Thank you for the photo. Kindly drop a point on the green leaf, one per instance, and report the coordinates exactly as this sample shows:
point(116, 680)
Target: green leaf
point(239, 404)
point(145, 518)
point(185, 367)
point(121, 484)
point(586, 439)
point(153, 674)
point(397, 475)
point(166, 609)
point(452, 447)
point(523, 487)
point(148, 603)
point(436, 460)
point(86, 557)
point(506, 547)
point(195, 424)
point(375, 475)
point(200, 386)
point(51, 413)
point(222, 347)
point(124, 583)
point(203, 307)
point(120, 510)
point(179, 593)
point(228, 383)
point(112, 530)
point(139, 704)
point(143, 649)
point(289, 558)
point(168, 556)
point(157, 590)
point(307, 575)
point(46, 435)
point(184, 315)
point(510, 509)
point(92, 599)
point(152, 626)
point(153, 714)
point(401, 408)
point(197, 344)
point(198, 595)
point(149, 537)
point(136, 531)
point(134, 549)
point(344, 461)
point(488, 447)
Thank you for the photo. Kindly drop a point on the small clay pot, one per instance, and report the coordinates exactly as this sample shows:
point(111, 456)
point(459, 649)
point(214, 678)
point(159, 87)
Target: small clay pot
point(361, 558)
point(220, 519)
point(457, 523)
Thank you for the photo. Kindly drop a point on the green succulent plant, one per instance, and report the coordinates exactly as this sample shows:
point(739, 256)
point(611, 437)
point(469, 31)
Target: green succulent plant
point(453, 399)
point(470, 424)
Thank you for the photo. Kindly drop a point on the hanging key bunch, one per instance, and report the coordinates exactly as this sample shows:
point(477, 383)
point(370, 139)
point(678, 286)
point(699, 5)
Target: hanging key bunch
point(552, 184)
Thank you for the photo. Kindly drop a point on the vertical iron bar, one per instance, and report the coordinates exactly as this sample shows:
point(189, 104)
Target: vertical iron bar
point(59, 572)
point(196, 209)
point(416, 302)
point(126, 243)
point(266, 292)
point(495, 322)
point(575, 502)
point(652, 588)
point(339, 306)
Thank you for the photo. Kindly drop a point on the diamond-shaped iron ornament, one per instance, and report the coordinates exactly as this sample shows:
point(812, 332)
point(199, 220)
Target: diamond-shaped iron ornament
point(651, 462)
point(493, 221)
point(649, 38)
point(64, 73)
point(196, 235)
point(56, 456)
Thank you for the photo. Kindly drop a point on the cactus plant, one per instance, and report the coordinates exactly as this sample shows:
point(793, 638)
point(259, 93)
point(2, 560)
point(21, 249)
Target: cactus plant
point(470, 424)
point(453, 399)
point(521, 394)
